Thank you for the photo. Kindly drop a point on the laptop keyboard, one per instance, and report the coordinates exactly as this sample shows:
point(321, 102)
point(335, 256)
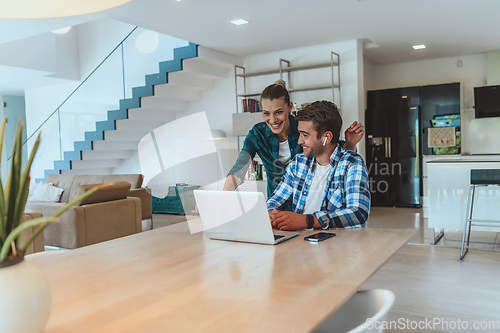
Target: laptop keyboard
point(276, 237)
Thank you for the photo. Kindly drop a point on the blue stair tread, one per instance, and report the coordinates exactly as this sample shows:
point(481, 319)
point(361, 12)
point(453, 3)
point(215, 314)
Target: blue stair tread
point(117, 115)
point(108, 125)
point(62, 165)
point(72, 155)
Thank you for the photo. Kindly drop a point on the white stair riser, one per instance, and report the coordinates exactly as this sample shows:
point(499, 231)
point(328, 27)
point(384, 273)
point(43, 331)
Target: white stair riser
point(189, 80)
point(88, 172)
point(152, 115)
point(97, 164)
point(180, 93)
point(168, 105)
point(122, 136)
point(204, 69)
point(139, 124)
point(106, 155)
point(218, 58)
point(114, 146)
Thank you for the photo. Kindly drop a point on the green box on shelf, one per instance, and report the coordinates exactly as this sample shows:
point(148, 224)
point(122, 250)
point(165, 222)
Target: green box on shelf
point(173, 204)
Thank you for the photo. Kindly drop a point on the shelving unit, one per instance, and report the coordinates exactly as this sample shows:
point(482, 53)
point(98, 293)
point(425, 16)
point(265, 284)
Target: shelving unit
point(243, 121)
point(285, 67)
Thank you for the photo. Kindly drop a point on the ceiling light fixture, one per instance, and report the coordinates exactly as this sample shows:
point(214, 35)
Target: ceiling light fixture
point(61, 31)
point(419, 47)
point(239, 21)
point(40, 9)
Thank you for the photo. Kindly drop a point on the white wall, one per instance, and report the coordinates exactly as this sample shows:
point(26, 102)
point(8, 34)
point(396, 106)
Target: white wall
point(52, 53)
point(350, 70)
point(479, 136)
point(14, 111)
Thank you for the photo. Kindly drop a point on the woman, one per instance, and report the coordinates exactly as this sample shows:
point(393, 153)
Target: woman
point(275, 139)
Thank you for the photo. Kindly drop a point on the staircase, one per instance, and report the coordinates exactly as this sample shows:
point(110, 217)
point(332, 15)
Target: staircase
point(193, 70)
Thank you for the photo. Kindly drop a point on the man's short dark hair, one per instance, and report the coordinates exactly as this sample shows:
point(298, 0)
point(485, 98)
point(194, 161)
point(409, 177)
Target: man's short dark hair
point(325, 117)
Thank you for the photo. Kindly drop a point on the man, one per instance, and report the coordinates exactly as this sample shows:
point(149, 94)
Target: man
point(328, 184)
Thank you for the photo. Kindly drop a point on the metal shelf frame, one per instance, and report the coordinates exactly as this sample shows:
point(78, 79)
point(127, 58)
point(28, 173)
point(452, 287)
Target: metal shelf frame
point(285, 67)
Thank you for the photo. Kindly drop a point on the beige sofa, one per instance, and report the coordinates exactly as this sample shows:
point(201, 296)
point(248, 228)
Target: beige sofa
point(98, 221)
point(38, 243)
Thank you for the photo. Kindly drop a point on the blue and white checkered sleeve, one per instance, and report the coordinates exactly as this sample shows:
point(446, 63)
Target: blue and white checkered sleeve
point(285, 188)
point(357, 200)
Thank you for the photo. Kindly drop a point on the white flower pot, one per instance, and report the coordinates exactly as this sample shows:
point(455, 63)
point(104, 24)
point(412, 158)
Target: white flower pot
point(24, 298)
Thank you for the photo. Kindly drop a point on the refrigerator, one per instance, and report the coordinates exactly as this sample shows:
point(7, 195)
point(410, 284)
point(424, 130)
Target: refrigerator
point(392, 147)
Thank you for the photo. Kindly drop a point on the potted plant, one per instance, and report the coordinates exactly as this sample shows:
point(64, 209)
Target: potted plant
point(24, 291)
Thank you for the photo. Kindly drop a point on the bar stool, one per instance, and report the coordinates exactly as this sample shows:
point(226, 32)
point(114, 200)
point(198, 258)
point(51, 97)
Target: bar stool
point(478, 177)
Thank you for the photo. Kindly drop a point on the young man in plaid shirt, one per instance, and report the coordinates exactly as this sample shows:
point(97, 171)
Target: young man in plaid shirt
point(328, 184)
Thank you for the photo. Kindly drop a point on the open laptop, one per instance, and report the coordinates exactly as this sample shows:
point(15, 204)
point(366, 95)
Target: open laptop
point(238, 216)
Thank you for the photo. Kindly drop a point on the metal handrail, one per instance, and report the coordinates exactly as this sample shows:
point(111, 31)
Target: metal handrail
point(78, 87)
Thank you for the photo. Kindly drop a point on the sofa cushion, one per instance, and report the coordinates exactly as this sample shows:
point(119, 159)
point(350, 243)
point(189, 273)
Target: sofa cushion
point(83, 180)
point(135, 180)
point(109, 192)
point(44, 192)
point(62, 181)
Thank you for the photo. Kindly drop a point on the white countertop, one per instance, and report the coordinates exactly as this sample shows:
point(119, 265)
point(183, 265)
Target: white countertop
point(461, 158)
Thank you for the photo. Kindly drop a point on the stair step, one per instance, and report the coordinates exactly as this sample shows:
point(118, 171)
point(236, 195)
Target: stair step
point(82, 145)
point(218, 58)
point(157, 78)
point(205, 70)
point(103, 171)
point(62, 165)
point(124, 136)
point(138, 124)
point(95, 164)
point(117, 114)
point(189, 80)
point(106, 155)
point(176, 93)
point(72, 155)
point(152, 114)
point(167, 105)
point(107, 125)
point(114, 146)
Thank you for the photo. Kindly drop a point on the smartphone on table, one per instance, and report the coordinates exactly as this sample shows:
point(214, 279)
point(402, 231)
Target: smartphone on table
point(320, 236)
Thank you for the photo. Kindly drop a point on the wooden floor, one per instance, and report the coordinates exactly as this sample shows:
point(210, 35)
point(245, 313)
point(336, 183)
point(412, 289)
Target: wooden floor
point(430, 282)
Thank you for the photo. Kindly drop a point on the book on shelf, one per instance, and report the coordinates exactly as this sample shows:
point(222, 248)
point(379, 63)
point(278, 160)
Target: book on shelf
point(251, 105)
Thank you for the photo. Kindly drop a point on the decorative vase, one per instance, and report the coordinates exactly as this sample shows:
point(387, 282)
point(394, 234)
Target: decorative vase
point(24, 297)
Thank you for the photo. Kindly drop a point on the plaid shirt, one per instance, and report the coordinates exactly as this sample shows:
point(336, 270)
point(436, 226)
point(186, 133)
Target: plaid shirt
point(346, 202)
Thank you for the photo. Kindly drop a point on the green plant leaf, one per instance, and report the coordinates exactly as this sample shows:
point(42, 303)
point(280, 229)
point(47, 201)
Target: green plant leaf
point(2, 199)
point(24, 186)
point(19, 229)
point(78, 199)
point(13, 181)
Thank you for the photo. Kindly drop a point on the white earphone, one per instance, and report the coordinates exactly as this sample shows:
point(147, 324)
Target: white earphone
point(324, 141)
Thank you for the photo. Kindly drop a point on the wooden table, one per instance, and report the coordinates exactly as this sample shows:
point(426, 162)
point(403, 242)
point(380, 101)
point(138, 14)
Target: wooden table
point(167, 280)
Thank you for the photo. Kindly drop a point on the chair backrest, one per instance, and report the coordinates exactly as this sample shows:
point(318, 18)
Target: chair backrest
point(485, 177)
point(71, 183)
point(352, 316)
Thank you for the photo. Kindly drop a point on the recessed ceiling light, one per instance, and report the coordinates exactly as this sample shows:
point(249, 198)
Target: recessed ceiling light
point(239, 21)
point(61, 31)
point(418, 47)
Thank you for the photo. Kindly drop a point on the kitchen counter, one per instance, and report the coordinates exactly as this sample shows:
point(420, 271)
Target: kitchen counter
point(448, 182)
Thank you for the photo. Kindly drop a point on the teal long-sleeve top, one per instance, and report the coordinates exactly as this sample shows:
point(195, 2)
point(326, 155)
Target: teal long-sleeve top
point(261, 140)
